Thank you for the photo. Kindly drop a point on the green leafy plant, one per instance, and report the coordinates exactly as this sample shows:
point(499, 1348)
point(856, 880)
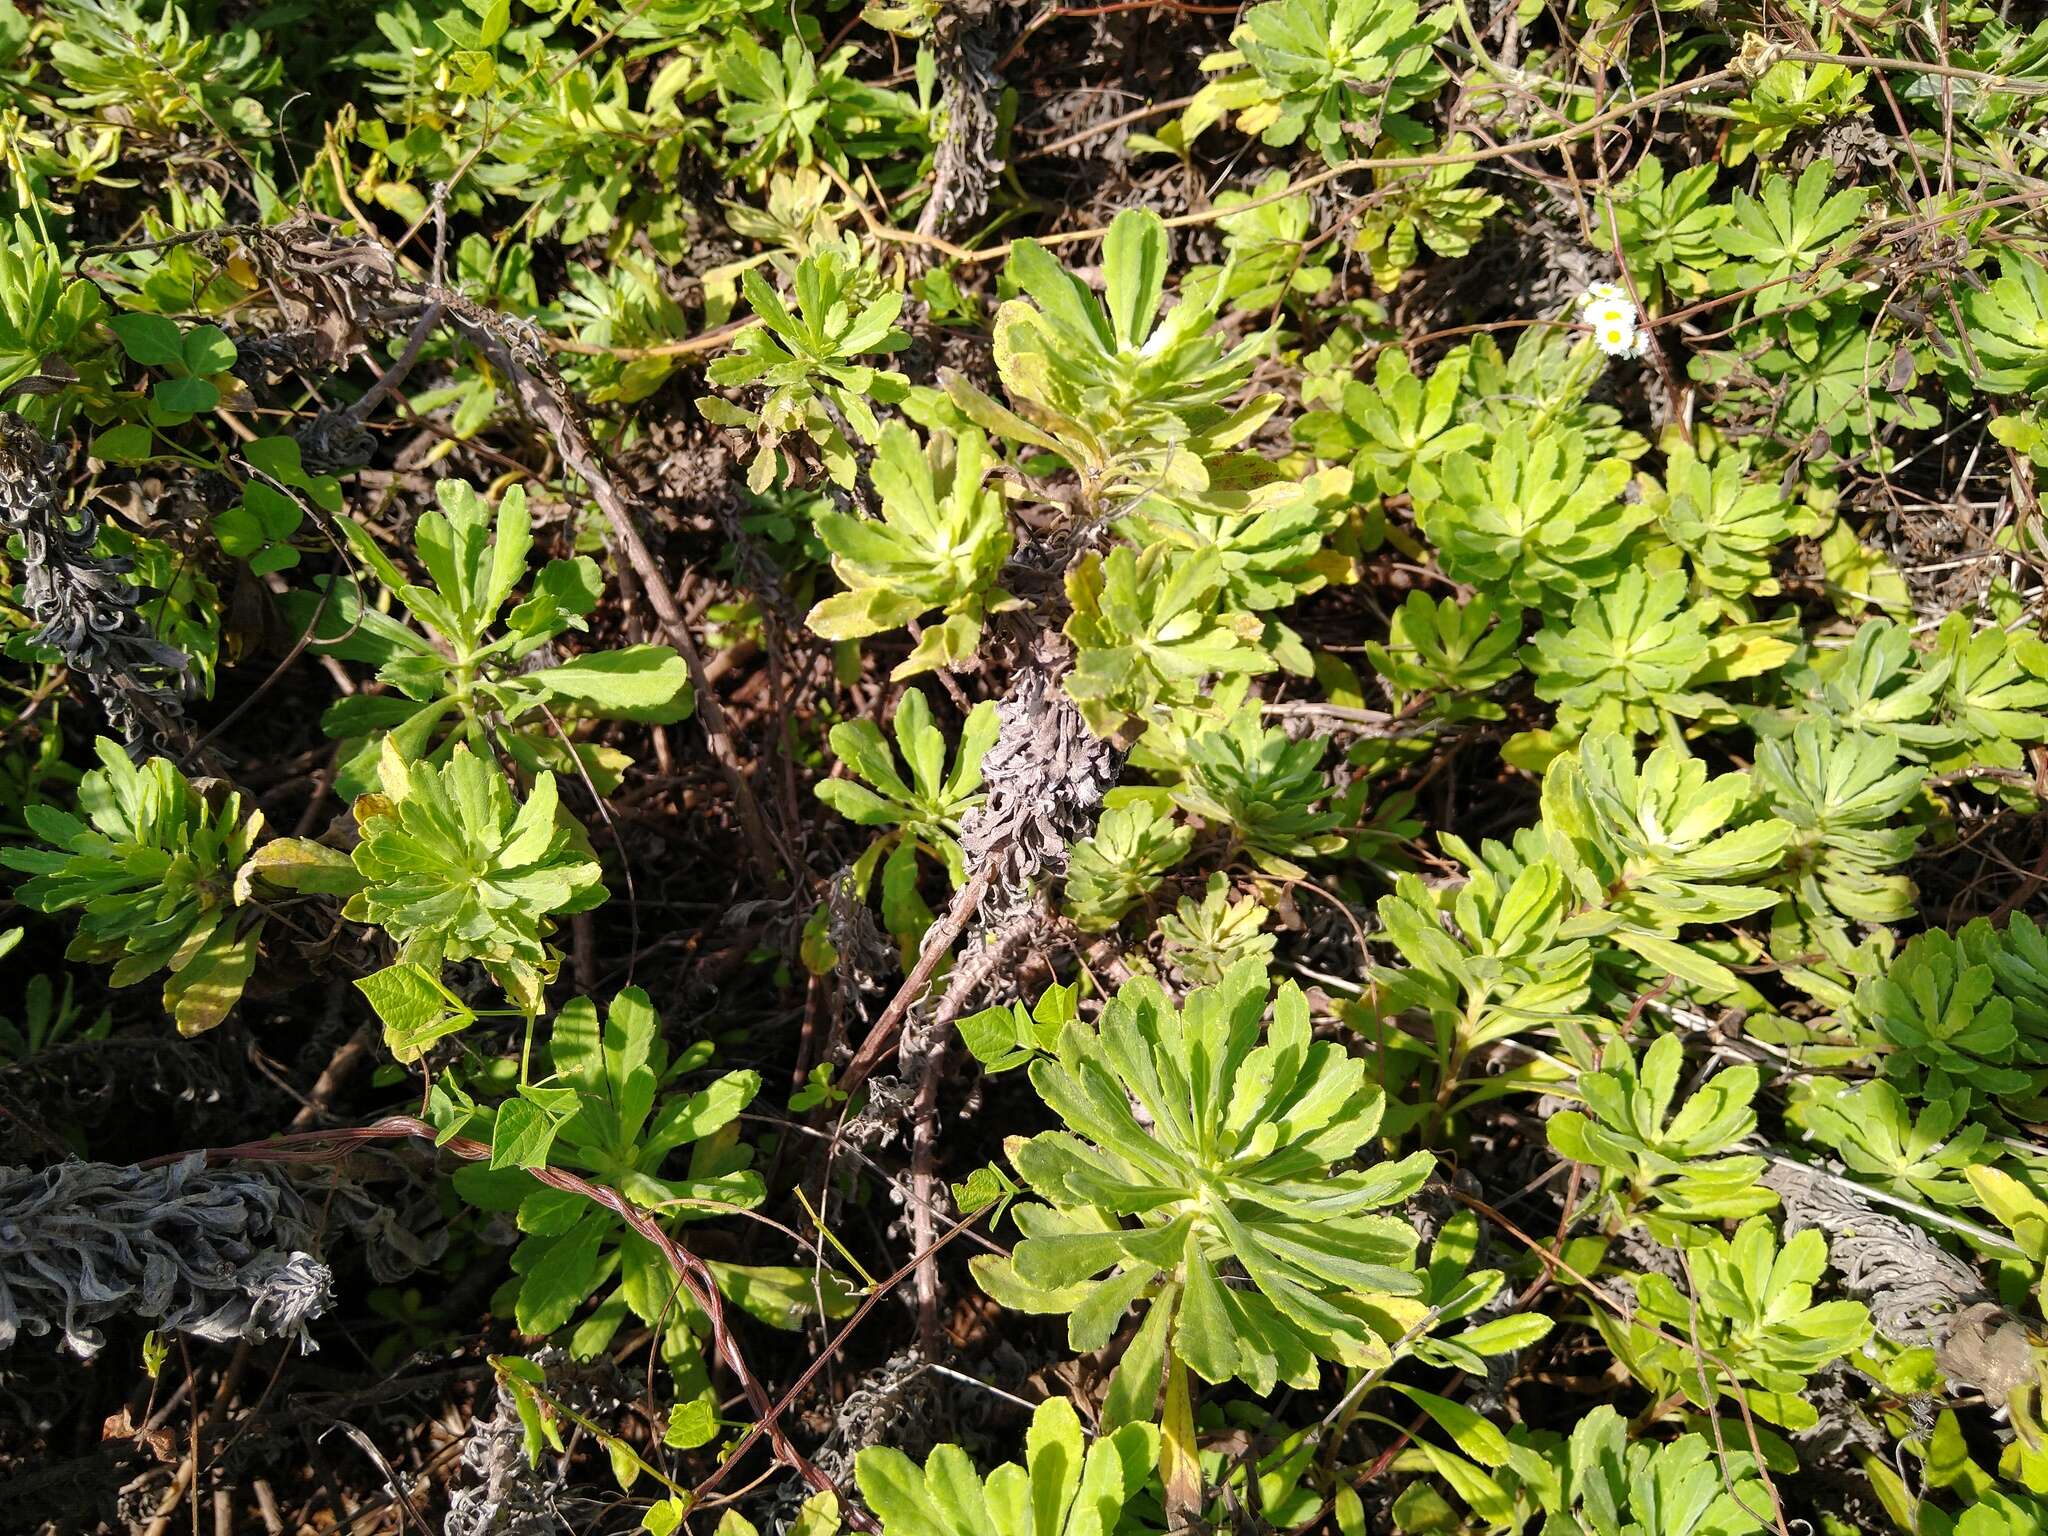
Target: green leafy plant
point(1149, 633)
point(1665, 1162)
point(1729, 524)
point(614, 1110)
point(941, 543)
point(151, 869)
point(471, 678)
point(43, 314)
point(1242, 1160)
point(1542, 385)
point(1395, 431)
point(46, 1016)
point(1655, 846)
point(1627, 655)
point(1837, 375)
point(1430, 208)
point(1267, 237)
point(1455, 1291)
point(789, 109)
point(1686, 1487)
point(1995, 694)
point(1877, 684)
point(1273, 543)
point(455, 868)
point(1067, 1486)
point(193, 364)
point(1534, 519)
point(1120, 391)
point(923, 812)
point(1130, 852)
point(1668, 228)
point(1879, 1138)
point(1751, 1310)
point(111, 53)
point(1449, 652)
point(1787, 98)
point(1264, 788)
point(1484, 960)
point(1785, 232)
point(625, 311)
point(2006, 323)
point(1938, 1009)
point(260, 529)
point(1204, 940)
point(586, 161)
point(803, 358)
point(1843, 796)
point(1315, 68)
point(2018, 957)
point(1005, 1038)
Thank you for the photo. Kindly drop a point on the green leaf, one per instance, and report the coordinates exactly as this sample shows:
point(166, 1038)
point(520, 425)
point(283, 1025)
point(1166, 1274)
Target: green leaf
point(1473, 1435)
point(129, 443)
point(1134, 258)
point(1133, 1396)
point(207, 350)
point(415, 1012)
point(206, 983)
point(522, 1135)
point(186, 396)
point(648, 683)
point(496, 16)
point(564, 1271)
point(295, 864)
point(150, 340)
point(690, 1424)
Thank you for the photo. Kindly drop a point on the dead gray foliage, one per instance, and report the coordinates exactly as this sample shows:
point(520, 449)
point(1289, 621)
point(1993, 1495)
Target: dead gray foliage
point(217, 1253)
point(85, 607)
point(1915, 1288)
point(505, 1493)
point(965, 166)
point(1045, 778)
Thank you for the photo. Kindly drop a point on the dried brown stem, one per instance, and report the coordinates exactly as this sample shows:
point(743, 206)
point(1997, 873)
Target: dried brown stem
point(881, 1039)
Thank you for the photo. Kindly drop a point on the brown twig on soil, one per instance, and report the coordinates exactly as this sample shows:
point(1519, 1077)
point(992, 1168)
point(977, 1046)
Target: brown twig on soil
point(1107, 125)
point(810, 1372)
point(392, 377)
point(939, 941)
point(187, 1474)
point(340, 1068)
point(967, 979)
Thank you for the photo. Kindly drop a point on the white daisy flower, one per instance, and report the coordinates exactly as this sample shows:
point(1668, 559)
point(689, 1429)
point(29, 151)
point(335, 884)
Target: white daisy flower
point(1614, 321)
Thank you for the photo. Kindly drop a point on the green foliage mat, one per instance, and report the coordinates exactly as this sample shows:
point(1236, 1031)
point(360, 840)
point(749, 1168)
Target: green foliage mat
point(1070, 770)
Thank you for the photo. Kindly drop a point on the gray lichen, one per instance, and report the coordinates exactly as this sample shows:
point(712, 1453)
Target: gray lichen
point(86, 609)
point(506, 1494)
point(965, 166)
point(1045, 777)
point(218, 1253)
point(1914, 1287)
point(864, 954)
